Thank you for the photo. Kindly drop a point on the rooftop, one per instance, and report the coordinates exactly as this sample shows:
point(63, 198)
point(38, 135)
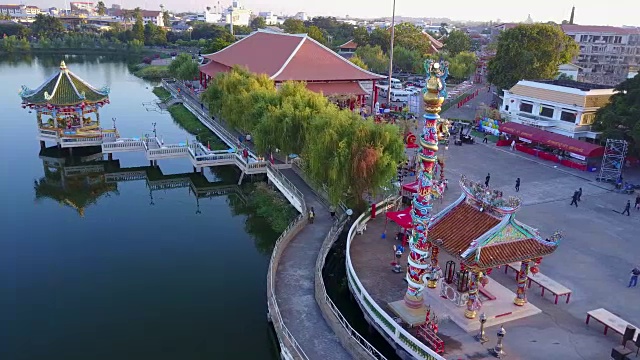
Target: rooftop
point(64, 89)
point(573, 28)
point(284, 57)
point(575, 84)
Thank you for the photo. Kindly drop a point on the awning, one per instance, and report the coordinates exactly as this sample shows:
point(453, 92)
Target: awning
point(337, 88)
point(411, 187)
point(553, 140)
point(402, 218)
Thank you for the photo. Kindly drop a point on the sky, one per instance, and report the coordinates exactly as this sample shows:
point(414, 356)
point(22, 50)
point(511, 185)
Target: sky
point(613, 12)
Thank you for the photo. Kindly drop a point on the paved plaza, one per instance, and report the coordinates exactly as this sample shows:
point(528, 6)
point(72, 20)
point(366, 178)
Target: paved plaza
point(594, 259)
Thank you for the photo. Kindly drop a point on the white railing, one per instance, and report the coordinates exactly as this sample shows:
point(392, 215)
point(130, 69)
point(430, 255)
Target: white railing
point(167, 152)
point(288, 184)
point(400, 336)
point(321, 292)
point(126, 145)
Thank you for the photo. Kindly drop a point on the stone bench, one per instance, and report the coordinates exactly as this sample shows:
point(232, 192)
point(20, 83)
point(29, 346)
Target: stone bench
point(610, 320)
point(551, 285)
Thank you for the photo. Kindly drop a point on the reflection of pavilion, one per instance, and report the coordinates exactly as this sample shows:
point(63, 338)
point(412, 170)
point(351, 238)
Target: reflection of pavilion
point(80, 181)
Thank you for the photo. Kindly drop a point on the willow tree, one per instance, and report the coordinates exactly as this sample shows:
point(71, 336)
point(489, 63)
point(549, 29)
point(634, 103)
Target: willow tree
point(285, 124)
point(229, 95)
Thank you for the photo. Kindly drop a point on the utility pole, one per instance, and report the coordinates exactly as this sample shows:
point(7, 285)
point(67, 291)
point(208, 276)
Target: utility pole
point(393, 28)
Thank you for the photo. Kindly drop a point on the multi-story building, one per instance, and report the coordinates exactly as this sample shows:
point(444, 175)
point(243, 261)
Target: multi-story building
point(269, 17)
point(564, 107)
point(19, 10)
point(606, 52)
point(148, 16)
point(81, 7)
point(237, 14)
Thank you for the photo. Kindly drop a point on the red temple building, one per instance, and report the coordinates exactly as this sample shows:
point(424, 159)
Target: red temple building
point(295, 57)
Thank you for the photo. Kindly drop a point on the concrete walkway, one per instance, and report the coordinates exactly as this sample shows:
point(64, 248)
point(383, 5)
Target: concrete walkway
point(295, 282)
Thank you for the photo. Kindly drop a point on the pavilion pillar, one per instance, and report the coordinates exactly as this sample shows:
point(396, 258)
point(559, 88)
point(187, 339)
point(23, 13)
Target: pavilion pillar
point(523, 276)
point(432, 283)
point(97, 117)
point(110, 156)
point(473, 304)
point(200, 77)
point(42, 145)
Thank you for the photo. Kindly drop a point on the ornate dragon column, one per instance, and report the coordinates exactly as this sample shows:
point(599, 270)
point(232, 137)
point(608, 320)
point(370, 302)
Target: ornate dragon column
point(419, 266)
point(523, 276)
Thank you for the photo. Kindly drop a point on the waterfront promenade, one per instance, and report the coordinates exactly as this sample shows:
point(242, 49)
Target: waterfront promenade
point(293, 296)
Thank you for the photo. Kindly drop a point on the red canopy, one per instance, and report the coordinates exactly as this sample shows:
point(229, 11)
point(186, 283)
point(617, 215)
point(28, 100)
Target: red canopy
point(411, 187)
point(553, 140)
point(402, 218)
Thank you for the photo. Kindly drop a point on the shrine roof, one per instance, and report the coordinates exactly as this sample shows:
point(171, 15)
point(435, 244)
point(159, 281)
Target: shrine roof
point(64, 89)
point(480, 230)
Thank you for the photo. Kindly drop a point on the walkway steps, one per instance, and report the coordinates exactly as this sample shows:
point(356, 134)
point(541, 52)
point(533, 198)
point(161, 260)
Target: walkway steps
point(295, 282)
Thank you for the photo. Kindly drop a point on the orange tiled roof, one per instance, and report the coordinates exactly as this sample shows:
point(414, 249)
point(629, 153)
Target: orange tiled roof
point(509, 252)
point(460, 226)
point(349, 45)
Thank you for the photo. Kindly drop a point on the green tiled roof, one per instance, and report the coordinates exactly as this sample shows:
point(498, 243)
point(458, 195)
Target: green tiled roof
point(64, 89)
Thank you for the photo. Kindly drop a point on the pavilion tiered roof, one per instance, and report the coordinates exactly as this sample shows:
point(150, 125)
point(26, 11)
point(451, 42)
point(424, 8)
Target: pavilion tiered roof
point(64, 89)
point(481, 231)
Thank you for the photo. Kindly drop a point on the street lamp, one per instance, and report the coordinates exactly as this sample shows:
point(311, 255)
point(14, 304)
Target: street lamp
point(481, 335)
point(393, 27)
point(498, 350)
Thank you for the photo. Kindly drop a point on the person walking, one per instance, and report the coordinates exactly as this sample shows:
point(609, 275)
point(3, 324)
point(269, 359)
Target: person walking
point(637, 204)
point(626, 208)
point(517, 184)
point(513, 145)
point(485, 139)
point(635, 272)
point(579, 194)
point(312, 215)
point(574, 198)
point(332, 211)
point(486, 180)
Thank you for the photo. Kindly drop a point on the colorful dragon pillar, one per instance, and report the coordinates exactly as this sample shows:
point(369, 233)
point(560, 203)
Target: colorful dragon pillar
point(419, 266)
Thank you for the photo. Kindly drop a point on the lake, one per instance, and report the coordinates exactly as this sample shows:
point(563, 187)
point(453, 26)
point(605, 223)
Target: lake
point(120, 260)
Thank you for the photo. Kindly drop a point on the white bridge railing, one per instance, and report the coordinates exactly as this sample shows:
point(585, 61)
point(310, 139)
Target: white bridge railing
point(400, 336)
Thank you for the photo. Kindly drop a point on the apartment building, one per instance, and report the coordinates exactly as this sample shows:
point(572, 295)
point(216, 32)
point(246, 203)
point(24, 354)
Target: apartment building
point(607, 53)
point(19, 10)
point(148, 16)
point(563, 107)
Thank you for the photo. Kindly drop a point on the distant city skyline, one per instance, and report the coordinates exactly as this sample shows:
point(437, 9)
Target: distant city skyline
point(615, 13)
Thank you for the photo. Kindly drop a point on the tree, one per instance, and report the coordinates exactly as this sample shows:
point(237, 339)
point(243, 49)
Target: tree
point(240, 29)
point(376, 60)
point(457, 42)
point(411, 37)
point(530, 52)
point(176, 64)
point(189, 70)
point(47, 26)
point(443, 29)
point(101, 8)
point(463, 65)
point(316, 34)
point(380, 37)
point(405, 60)
point(216, 45)
point(138, 26)
point(356, 60)
point(620, 118)
point(361, 36)
point(258, 23)
point(294, 26)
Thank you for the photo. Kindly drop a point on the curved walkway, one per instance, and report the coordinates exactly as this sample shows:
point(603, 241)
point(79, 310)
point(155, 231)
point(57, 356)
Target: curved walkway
point(295, 282)
point(295, 275)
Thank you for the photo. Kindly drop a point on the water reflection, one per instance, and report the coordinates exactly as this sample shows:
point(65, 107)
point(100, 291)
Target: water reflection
point(79, 181)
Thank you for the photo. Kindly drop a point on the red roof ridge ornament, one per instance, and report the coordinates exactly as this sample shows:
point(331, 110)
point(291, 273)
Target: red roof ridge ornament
point(63, 66)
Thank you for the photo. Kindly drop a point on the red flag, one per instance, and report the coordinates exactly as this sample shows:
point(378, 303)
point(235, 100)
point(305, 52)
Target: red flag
point(208, 145)
point(271, 159)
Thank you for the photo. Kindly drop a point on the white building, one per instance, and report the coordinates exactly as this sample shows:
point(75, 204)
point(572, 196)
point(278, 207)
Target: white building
point(569, 70)
point(19, 10)
point(301, 16)
point(564, 107)
point(269, 17)
point(148, 16)
point(211, 15)
point(238, 13)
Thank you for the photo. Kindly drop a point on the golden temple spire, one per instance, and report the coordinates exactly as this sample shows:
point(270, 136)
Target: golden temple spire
point(63, 66)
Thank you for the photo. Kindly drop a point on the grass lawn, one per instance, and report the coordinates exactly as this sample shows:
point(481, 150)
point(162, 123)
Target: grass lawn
point(186, 120)
point(152, 72)
point(161, 93)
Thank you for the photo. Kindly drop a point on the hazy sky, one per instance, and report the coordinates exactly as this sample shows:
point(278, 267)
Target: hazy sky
point(612, 12)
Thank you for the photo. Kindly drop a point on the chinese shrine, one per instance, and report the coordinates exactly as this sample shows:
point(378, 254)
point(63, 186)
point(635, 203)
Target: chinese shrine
point(67, 109)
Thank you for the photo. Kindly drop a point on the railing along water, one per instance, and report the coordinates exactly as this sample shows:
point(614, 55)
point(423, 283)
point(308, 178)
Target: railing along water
point(322, 295)
point(400, 336)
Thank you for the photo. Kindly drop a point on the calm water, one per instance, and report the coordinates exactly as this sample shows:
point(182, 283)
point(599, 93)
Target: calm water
point(135, 273)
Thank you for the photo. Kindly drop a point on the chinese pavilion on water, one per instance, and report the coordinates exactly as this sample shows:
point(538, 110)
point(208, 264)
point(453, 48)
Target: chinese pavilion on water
point(479, 230)
point(64, 104)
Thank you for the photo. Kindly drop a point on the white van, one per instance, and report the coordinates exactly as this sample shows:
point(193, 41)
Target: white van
point(396, 84)
point(400, 95)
